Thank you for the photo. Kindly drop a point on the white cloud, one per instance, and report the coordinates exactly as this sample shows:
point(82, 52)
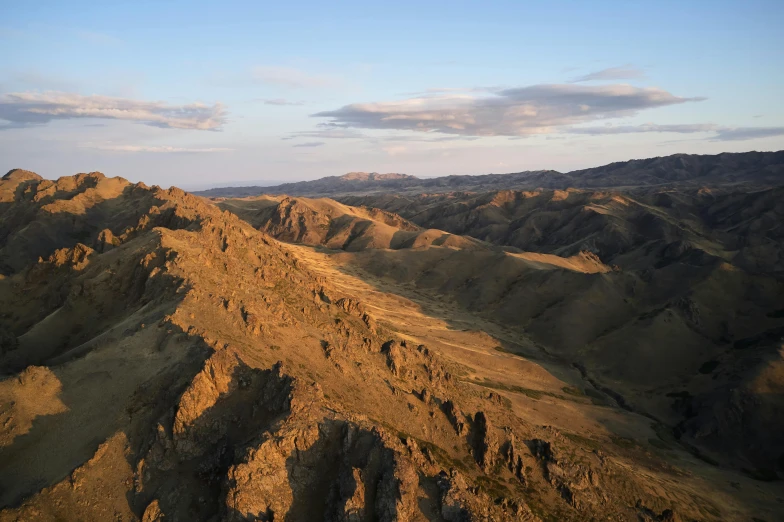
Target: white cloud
point(29, 108)
point(309, 144)
point(280, 101)
point(647, 127)
point(747, 133)
point(153, 148)
point(327, 131)
point(624, 72)
point(523, 111)
point(720, 133)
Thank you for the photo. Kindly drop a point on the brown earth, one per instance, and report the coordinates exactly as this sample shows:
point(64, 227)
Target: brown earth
point(165, 360)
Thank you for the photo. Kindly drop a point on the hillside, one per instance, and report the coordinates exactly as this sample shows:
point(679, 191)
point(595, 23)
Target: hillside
point(630, 230)
point(164, 359)
point(348, 182)
point(334, 225)
point(681, 171)
point(698, 273)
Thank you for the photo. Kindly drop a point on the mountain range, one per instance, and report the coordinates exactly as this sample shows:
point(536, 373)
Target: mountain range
point(598, 345)
point(747, 170)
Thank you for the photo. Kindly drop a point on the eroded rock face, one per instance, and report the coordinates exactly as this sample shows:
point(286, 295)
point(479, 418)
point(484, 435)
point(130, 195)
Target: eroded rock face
point(323, 470)
point(462, 503)
point(484, 441)
point(578, 484)
point(247, 397)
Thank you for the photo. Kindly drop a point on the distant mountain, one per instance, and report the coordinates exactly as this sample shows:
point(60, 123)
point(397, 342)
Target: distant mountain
point(374, 176)
point(348, 182)
point(748, 169)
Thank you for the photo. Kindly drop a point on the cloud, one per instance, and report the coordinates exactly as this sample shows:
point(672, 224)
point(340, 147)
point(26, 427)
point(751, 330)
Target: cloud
point(624, 72)
point(648, 127)
point(747, 133)
point(395, 150)
point(30, 108)
point(452, 90)
point(292, 78)
point(329, 131)
point(523, 111)
point(280, 101)
point(720, 133)
point(149, 148)
point(310, 144)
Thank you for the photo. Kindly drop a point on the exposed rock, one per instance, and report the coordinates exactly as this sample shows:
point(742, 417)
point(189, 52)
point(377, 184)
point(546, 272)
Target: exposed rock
point(153, 513)
point(483, 441)
point(455, 417)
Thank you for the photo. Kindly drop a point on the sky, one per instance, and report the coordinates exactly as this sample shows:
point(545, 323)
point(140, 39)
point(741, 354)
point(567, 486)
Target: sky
point(199, 94)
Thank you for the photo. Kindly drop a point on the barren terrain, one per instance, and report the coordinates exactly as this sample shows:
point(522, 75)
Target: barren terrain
point(501, 355)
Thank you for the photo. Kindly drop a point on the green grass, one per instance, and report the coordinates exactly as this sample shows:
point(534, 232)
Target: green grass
point(624, 442)
point(583, 441)
point(573, 390)
point(658, 443)
point(534, 394)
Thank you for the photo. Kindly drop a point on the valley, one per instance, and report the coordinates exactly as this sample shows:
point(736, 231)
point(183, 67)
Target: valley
point(515, 354)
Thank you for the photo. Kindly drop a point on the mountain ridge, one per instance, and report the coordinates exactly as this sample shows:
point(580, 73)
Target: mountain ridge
point(749, 169)
point(164, 358)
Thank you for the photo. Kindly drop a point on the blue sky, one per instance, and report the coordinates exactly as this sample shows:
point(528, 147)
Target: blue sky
point(192, 93)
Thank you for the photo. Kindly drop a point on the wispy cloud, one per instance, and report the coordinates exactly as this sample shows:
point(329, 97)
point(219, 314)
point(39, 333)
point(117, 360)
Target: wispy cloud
point(292, 78)
point(153, 148)
point(279, 101)
point(309, 144)
point(30, 108)
point(647, 127)
point(720, 133)
point(624, 72)
point(328, 131)
point(452, 90)
point(747, 133)
point(523, 111)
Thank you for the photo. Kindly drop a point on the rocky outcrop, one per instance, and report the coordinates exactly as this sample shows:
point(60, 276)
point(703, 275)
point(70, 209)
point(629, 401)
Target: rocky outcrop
point(329, 469)
point(462, 503)
point(455, 417)
point(483, 441)
point(246, 396)
point(578, 484)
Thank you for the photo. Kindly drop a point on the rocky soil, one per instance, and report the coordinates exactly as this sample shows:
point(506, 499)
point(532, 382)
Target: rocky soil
point(164, 360)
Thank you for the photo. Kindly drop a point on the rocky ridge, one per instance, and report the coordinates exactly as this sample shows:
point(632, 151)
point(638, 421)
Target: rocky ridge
point(204, 372)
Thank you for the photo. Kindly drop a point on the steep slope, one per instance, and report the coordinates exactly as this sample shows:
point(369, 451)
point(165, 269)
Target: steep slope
point(633, 231)
point(665, 320)
point(200, 370)
point(334, 225)
point(38, 216)
point(685, 329)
